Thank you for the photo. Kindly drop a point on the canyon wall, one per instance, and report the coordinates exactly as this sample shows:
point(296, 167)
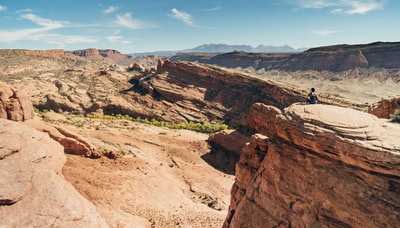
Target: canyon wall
point(317, 166)
point(201, 92)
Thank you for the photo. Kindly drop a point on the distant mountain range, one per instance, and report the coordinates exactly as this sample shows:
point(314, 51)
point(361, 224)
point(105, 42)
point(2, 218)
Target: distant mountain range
point(222, 48)
point(334, 58)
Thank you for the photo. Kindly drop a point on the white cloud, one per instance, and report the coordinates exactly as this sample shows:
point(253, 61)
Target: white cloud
point(114, 39)
point(61, 41)
point(214, 8)
point(27, 10)
point(127, 21)
point(3, 8)
point(110, 9)
point(337, 11)
point(30, 33)
point(360, 7)
point(45, 23)
point(324, 32)
point(42, 33)
point(341, 6)
point(78, 39)
point(314, 4)
point(182, 16)
point(117, 39)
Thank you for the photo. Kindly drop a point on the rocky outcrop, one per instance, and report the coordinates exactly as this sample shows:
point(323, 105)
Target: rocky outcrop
point(385, 107)
point(14, 104)
point(33, 191)
point(71, 142)
point(230, 140)
point(317, 166)
point(201, 92)
point(111, 56)
point(136, 66)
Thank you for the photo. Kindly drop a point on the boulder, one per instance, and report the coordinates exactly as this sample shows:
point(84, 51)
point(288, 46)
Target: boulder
point(385, 107)
point(230, 140)
point(14, 104)
point(136, 67)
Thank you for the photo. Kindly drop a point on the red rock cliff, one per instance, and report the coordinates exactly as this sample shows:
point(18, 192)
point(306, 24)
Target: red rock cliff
point(209, 92)
point(317, 166)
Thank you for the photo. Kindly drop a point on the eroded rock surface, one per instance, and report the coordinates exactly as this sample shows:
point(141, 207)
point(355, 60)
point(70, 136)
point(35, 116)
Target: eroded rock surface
point(202, 92)
point(14, 104)
point(321, 166)
point(385, 107)
point(230, 140)
point(72, 142)
point(33, 192)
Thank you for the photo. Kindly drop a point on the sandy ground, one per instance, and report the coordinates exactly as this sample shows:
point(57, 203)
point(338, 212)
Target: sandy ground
point(165, 178)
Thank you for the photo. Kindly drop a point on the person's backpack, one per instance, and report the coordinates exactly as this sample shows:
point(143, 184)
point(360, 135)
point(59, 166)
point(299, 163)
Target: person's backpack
point(313, 98)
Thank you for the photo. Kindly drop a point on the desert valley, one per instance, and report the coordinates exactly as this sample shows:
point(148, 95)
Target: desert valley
point(97, 138)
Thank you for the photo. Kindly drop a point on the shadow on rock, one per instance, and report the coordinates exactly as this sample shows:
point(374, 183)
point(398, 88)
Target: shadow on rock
point(221, 159)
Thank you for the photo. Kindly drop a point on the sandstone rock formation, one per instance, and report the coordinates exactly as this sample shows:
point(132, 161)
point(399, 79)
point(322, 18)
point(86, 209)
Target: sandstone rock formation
point(385, 107)
point(137, 67)
point(230, 140)
point(33, 191)
point(111, 56)
point(317, 166)
point(14, 104)
point(73, 143)
point(199, 92)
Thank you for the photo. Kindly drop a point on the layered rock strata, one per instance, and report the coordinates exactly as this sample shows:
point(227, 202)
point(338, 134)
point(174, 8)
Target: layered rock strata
point(317, 166)
point(202, 92)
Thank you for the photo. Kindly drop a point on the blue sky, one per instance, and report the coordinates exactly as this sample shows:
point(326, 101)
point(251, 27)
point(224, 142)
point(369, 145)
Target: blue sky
point(131, 26)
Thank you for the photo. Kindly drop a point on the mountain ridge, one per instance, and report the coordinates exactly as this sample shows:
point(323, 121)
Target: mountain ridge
point(334, 58)
point(222, 48)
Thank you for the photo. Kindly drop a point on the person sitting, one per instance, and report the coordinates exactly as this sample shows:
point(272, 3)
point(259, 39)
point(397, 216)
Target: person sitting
point(312, 97)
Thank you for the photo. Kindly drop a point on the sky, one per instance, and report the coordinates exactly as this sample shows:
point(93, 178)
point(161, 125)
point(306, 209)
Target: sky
point(133, 26)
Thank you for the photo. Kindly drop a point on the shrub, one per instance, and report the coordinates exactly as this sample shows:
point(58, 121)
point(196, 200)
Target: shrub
point(396, 116)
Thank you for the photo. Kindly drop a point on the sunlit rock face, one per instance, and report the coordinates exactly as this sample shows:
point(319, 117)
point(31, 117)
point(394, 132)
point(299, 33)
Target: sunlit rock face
point(14, 104)
point(386, 107)
point(33, 191)
point(317, 166)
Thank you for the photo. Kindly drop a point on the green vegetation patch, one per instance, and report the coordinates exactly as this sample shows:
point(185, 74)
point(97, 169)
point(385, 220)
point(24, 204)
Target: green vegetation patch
point(193, 126)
